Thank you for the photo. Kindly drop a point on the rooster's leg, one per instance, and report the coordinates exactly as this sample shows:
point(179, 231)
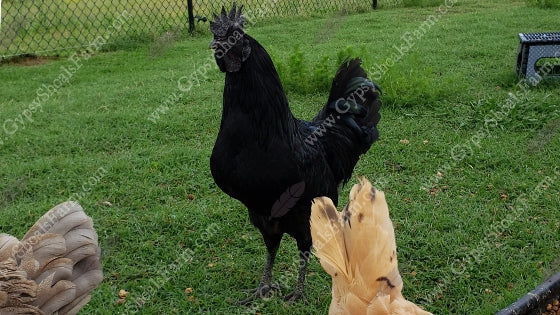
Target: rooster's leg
point(299, 293)
point(266, 289)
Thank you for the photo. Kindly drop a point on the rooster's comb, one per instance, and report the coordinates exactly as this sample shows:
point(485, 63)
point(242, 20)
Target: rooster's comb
point(225, 21)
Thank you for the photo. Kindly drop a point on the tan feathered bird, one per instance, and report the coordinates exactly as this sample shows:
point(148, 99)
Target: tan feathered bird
point(54, 268)
point(357, 248)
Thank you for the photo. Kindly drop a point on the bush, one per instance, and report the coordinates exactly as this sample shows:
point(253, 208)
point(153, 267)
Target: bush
point(299, 76)
point(544, 4)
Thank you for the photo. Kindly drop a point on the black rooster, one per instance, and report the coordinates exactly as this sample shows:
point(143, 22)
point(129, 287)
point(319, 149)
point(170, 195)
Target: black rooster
point(274, 163)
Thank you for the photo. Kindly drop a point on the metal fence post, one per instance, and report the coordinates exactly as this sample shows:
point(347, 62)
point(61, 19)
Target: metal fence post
point(191, 16)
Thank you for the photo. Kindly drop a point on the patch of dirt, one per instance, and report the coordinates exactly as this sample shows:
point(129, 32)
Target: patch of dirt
point(27, 60)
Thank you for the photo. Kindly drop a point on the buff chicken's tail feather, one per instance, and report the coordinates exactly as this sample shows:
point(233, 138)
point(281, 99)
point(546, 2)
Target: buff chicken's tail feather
point(357, 248)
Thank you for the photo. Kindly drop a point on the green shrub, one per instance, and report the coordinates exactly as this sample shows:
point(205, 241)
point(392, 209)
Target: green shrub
point(299, 76)
point(544, 4)
point(322, 74)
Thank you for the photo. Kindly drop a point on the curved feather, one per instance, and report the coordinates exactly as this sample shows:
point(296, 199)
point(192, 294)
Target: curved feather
point(328, 240)
point(360, 245)
point(54, 268)
point(287, 200)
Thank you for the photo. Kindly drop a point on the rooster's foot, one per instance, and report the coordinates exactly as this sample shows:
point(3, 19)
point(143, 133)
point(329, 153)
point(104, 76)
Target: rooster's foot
point(295, 297)
point(264, 291)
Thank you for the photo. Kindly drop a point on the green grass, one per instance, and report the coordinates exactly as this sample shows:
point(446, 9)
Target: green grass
point(475, 231)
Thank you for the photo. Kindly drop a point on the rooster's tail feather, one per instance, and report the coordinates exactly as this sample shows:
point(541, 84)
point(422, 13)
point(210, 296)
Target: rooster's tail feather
point(354, 95)
point(347, 124)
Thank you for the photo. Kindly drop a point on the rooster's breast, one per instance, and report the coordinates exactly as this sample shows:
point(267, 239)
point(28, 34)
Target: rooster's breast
point(254, 174)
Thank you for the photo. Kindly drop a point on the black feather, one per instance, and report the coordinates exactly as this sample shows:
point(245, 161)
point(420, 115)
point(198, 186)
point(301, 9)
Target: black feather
point(287, 200)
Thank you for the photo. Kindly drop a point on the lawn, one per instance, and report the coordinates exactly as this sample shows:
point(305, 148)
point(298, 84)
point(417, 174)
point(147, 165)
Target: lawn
point(468, 157)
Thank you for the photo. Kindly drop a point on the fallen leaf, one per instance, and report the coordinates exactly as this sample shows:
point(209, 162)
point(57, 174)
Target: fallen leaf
point(120, 301)
point(404, 141)
point(188, 290)
point(123, 294)
point(122, 297)
point(434, 191)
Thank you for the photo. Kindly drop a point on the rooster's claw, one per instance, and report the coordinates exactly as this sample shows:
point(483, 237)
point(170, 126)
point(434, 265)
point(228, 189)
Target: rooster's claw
point(295, 297)
point(264, 292)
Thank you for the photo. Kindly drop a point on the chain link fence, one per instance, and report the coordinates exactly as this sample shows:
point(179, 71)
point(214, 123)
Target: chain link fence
point(52, 27)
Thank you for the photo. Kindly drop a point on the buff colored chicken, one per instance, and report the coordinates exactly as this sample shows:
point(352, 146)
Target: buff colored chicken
point(357, 248)
point(54, 268)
